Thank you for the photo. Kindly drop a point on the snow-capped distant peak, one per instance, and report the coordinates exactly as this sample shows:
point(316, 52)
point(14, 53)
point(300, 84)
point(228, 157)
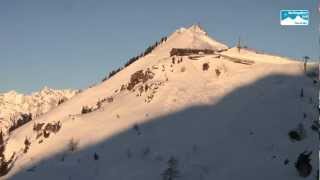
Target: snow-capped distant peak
point(14, 104)
point(164, 106)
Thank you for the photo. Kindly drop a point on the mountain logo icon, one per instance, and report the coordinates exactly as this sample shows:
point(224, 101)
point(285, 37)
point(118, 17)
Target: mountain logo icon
point(294, 17)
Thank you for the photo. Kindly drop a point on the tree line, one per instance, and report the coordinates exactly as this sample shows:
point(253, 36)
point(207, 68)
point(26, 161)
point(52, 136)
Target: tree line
point(135, 58)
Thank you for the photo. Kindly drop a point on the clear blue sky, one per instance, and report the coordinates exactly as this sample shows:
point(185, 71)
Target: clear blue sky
point(74, 43)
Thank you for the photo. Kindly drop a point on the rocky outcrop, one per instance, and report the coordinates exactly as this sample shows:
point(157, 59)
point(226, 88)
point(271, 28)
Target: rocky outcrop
point(14, 106)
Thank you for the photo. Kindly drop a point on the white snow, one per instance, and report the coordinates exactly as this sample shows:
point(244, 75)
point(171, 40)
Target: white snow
point(13, 104)
point(229, 122)
point(193, 37)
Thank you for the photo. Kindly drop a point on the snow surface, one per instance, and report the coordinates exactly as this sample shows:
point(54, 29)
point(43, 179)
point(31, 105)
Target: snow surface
point(13, 104)
point(229, 122)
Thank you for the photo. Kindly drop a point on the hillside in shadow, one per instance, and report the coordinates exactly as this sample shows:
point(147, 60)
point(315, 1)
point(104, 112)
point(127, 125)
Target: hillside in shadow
point(243, 136)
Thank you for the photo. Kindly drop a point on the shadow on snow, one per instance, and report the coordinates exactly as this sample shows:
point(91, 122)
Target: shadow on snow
point(240, 137)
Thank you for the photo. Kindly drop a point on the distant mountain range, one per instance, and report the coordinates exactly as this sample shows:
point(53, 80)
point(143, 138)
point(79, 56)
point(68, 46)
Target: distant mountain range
point(13, 104)
point(191, 108)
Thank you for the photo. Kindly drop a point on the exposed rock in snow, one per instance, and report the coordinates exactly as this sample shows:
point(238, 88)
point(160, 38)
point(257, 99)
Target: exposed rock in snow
point(14, 104)
point(230, 121)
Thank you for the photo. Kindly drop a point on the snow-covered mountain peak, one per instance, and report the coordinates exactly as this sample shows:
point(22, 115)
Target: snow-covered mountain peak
point(181, 30)
point(197, 29)
point(197, 104)
point(193, 37)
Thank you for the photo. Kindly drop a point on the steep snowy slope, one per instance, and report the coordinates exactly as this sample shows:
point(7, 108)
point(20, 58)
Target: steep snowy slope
point(219, 118)
point(13, 104)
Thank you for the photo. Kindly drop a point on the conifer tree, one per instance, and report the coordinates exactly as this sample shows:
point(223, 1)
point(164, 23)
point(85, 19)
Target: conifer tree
point(3, 163)
point(172, 171)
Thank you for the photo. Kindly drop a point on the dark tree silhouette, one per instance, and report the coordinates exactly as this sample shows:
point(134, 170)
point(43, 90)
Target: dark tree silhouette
point(21, 121)
point(294, 135)
point(27, 144)
point(137, 129)
point(173, 60)
point(303, 165)
point(205, 66)
point(96, 156)
point(85, 110)
point(239, 45)
point(134, 59)
point(5, 165)
point(301, 93)
point(172, 171)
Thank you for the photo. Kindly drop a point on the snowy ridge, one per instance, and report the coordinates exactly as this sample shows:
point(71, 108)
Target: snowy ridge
point(13, 104)
point(193, 37)
point(210, 113)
